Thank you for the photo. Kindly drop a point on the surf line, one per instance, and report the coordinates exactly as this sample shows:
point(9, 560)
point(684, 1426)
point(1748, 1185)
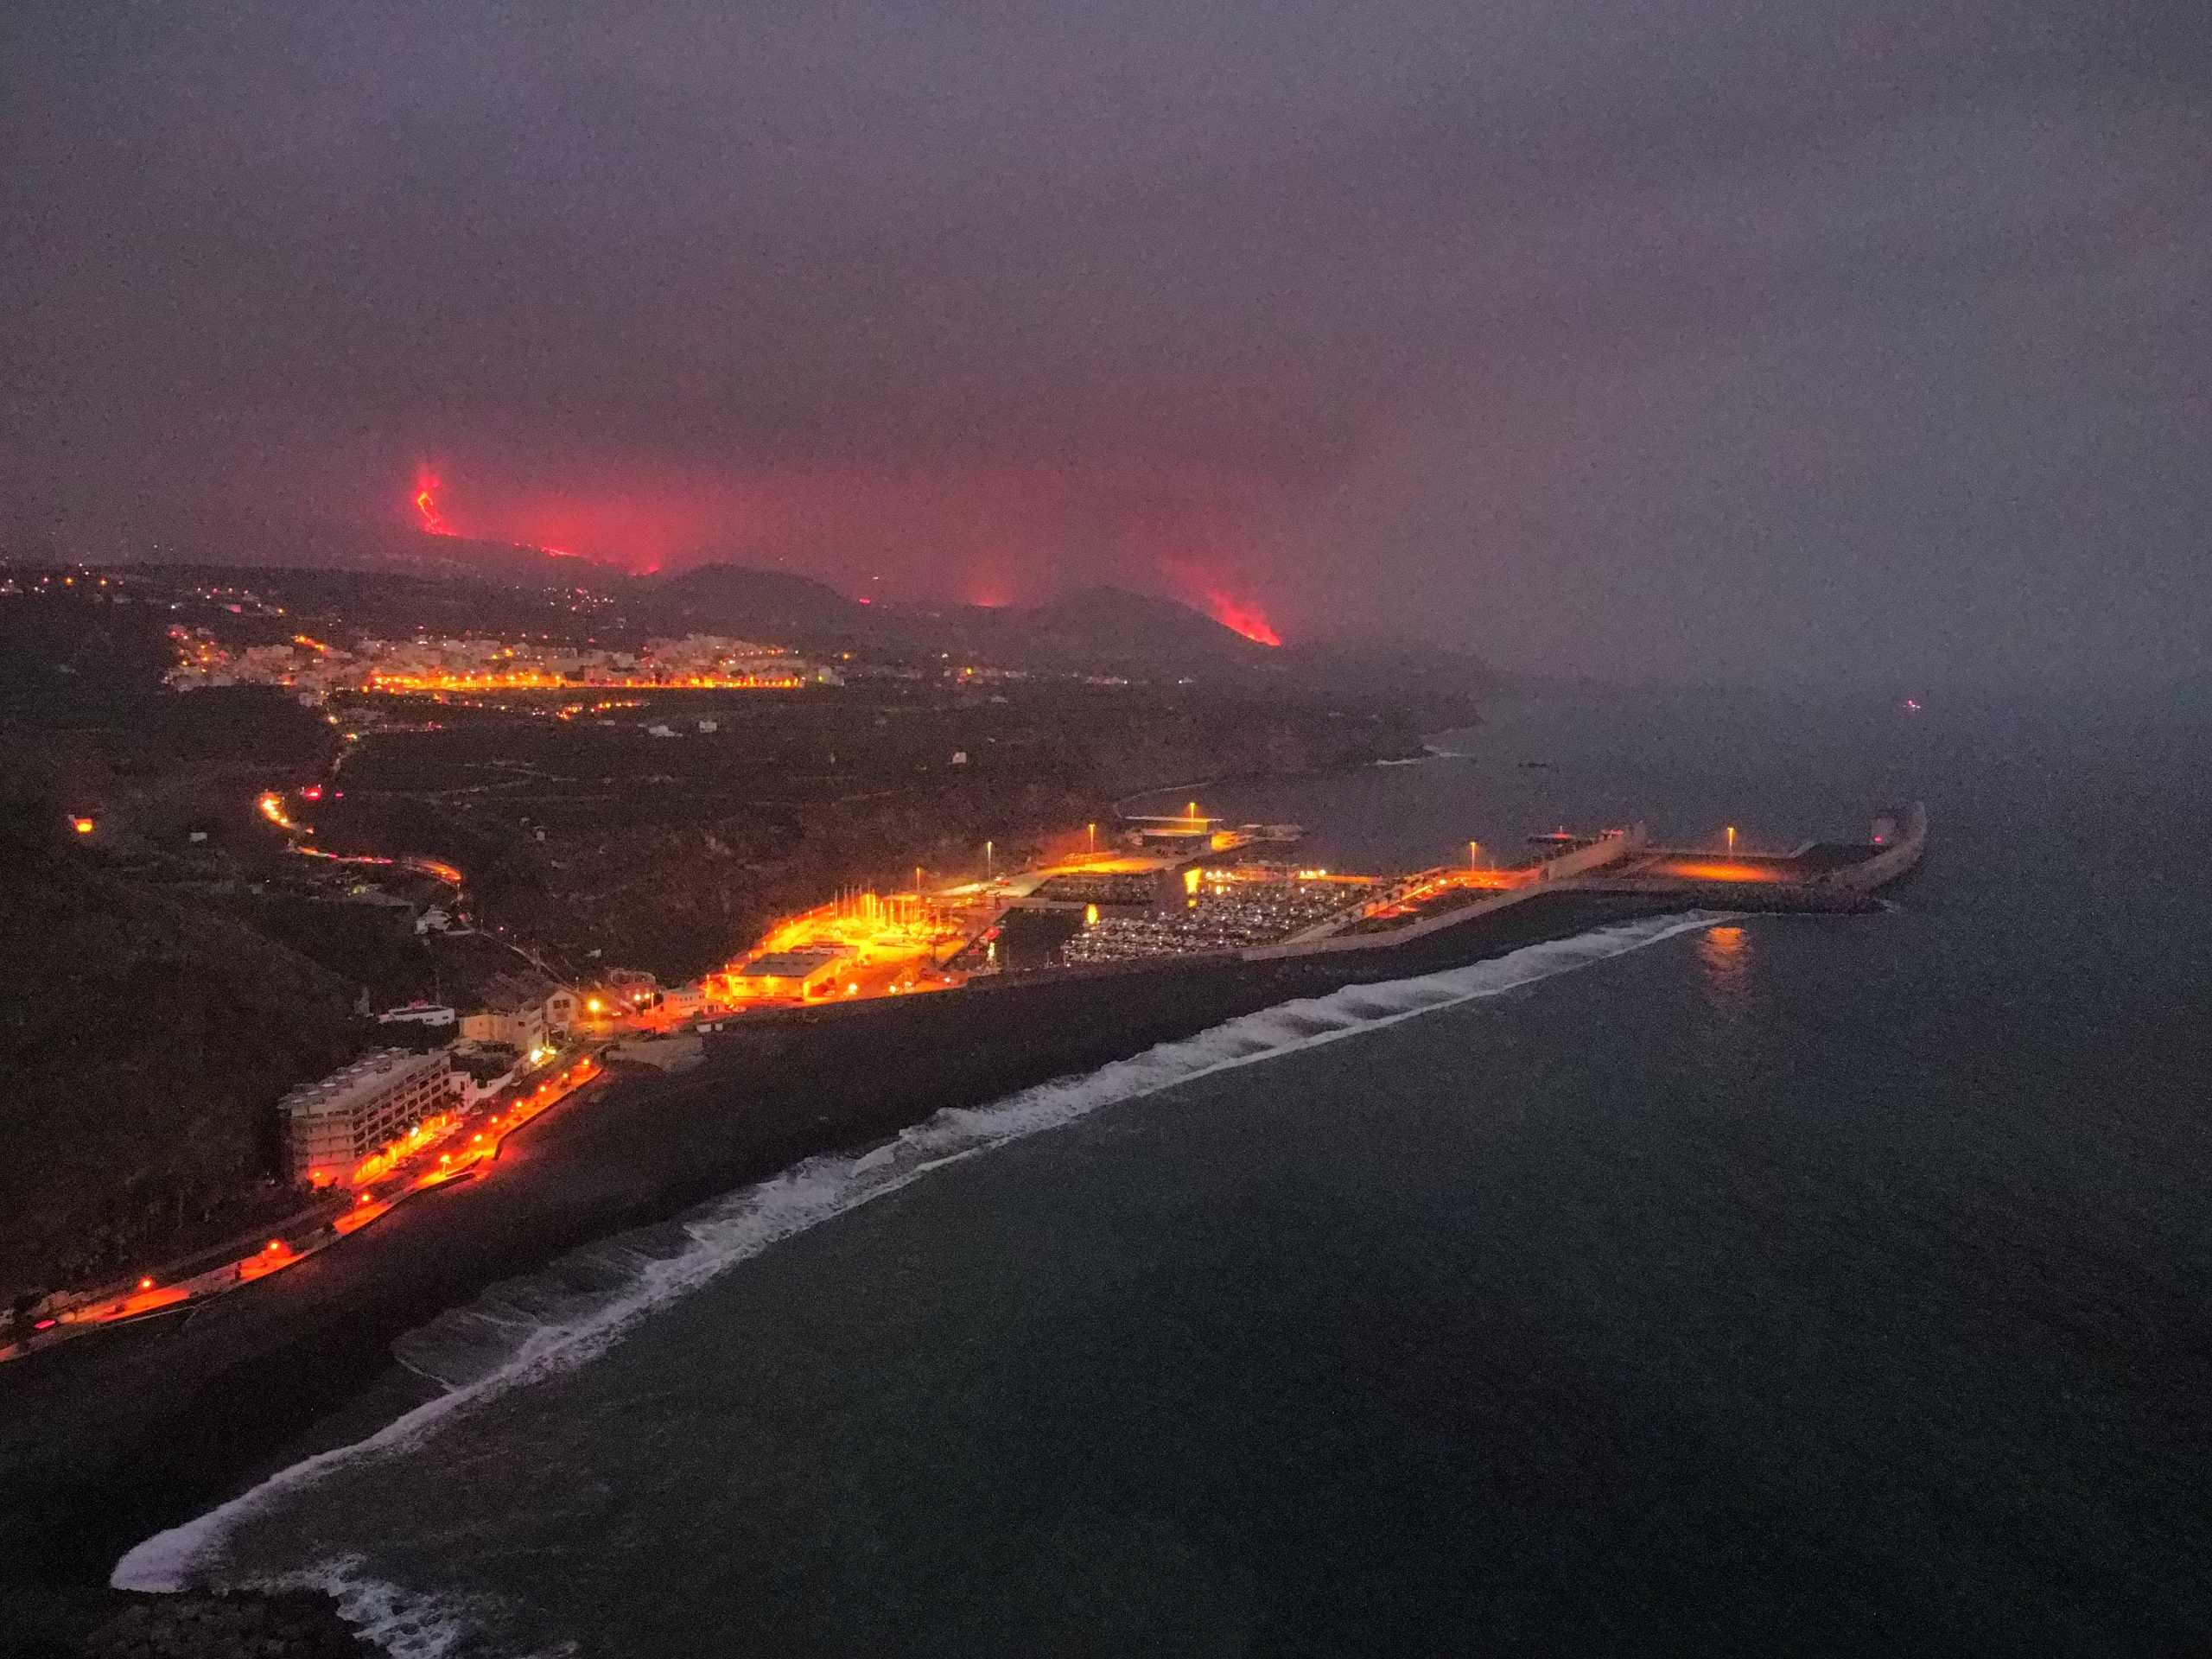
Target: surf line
point(734, 1229)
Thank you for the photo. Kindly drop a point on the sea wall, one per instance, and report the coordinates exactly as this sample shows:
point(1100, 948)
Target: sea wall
point(1899, 860)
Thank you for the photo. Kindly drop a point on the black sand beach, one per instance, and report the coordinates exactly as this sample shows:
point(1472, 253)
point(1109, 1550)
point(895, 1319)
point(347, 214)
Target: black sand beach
point(109, 1438)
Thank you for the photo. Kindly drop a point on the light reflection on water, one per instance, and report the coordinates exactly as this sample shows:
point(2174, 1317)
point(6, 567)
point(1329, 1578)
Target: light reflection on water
point(1723, 958)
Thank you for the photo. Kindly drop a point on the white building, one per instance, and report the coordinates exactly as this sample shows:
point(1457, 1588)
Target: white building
point(417, 1013)
point(332, 1125)
point(521, 1011)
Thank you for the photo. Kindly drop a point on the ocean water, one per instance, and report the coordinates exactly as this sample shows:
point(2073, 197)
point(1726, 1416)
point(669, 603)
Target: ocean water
point(1705, 1285)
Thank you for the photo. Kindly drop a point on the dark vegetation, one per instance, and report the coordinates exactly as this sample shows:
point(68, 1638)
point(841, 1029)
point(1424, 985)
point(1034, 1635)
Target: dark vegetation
point(666, 852)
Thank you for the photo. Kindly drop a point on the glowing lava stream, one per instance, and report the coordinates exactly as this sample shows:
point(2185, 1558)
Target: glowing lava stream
point(1246, 620)
point(426, 482)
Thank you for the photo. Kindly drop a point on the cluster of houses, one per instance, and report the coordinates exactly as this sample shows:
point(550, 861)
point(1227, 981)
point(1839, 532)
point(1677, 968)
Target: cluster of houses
point(315, 669)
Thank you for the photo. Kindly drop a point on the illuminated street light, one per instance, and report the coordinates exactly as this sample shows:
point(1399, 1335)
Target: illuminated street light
point(1731, 837)
point(82, 826)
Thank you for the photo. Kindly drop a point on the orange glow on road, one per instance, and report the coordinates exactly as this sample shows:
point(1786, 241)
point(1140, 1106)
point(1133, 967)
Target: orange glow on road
point(1714, 869)
point(148, 1295)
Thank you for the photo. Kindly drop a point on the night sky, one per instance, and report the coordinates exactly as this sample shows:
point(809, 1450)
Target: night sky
point(1861, 343)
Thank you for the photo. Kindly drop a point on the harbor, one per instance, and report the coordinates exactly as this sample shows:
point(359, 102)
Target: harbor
point(1291, 930)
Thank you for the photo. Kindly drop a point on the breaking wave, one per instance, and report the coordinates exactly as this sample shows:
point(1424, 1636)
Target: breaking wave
point(401, 1622)
point(556, 1319)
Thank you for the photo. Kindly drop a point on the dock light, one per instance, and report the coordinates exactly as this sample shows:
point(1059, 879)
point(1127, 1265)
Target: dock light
point(82, 826)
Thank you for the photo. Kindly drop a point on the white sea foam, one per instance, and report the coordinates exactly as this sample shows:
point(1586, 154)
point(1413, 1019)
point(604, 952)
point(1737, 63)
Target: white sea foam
point(405, 1624)
point(549, 1322)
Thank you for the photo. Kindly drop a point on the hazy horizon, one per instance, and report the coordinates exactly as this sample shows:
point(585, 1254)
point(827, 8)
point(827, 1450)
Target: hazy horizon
point(1765, 345)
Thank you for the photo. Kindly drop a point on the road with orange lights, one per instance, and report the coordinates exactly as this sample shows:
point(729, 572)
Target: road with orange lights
point(462, 1149)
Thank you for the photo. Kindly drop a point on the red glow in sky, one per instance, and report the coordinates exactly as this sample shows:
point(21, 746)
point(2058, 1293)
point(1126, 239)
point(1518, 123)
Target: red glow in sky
point(992, 537)
point(1243, 615)
point(989, 593)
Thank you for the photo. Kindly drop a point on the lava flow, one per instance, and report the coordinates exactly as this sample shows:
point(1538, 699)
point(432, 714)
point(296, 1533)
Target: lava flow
point(1241, 616)
point(426, 483)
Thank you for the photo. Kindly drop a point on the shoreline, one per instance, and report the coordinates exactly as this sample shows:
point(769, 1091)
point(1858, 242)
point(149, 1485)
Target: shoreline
point(116, 1437)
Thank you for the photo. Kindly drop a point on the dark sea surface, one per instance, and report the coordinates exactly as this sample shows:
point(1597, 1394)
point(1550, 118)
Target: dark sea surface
point(1793, 1284)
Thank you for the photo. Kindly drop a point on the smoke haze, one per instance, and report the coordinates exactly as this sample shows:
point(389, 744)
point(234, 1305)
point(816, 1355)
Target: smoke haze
point(1688, 339)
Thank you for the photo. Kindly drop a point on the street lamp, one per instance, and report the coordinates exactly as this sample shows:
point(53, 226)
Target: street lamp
point(987, 860)
point(1731, 837)
point(1474, 847)
point(1092, 830)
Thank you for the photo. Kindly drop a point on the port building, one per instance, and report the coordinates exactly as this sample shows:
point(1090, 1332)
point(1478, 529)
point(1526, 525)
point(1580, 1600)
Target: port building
point(806, 972)
point(332, 1125)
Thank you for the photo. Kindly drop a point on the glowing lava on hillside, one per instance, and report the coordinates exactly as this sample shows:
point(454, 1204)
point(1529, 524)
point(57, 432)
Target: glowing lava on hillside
point(1242, 616)
point(426, 484)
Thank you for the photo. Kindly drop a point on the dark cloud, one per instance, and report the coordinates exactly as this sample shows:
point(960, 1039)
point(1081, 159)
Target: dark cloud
point(1673, 339)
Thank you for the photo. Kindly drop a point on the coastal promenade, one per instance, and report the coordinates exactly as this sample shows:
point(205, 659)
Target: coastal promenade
point(462, 1151)
point(104, 1442)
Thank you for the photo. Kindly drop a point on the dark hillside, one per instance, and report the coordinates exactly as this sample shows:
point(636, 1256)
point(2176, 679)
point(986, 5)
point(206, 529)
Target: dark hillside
point(144, 1044)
